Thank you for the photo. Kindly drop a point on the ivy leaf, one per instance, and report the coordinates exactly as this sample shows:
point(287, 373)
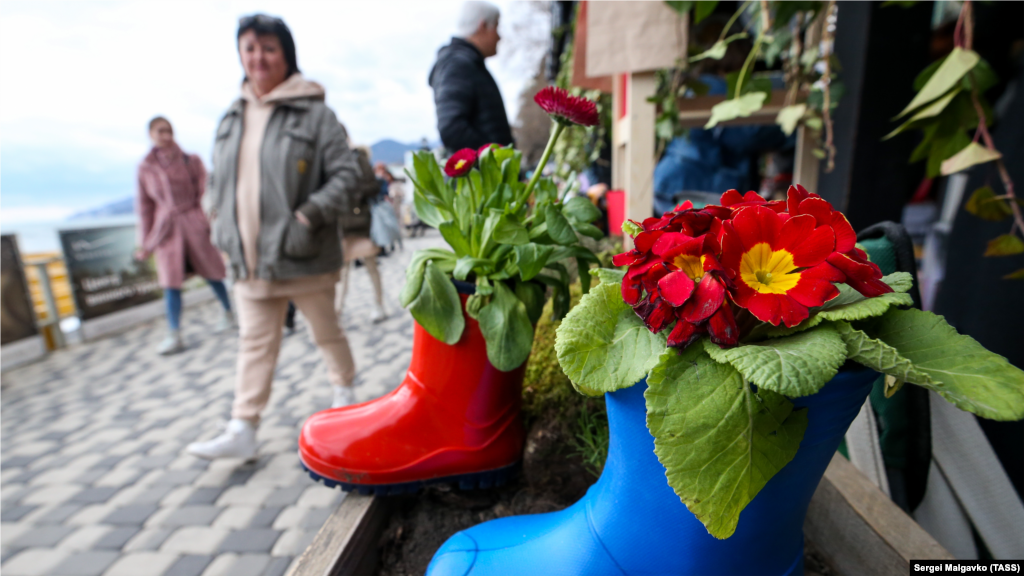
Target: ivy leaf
point(1015, 275)
point(532, 258)
point(719, 441)
point(790, 116)
point(437, 307)
point(953, 68)
point(879, 356)
point(506, 328)
point(1004, 245)
point(962, 371)
point(929, 111)
point(984, 204)
point(796, 365)
point(602, 345)
point(581, 209)
point(973, 154)
point(736, 108)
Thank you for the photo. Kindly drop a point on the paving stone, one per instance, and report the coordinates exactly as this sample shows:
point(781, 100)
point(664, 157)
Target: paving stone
point(57, 515)
point(34, 562)
point(236, 517)
point(277, 566)
point(285, 496)
point(245, 495)
point(132, 515)
point(147, 539)
point(84, 538)
point(52, 494)
point(190, 565)
point(192, 516)
point(116, 538)
point(249, 564)
point(320, 496)
point(265, 517)
point(85, 564)
point(250, 540)
point(293, 542)
point(15, 513)
point(205, 495)
point(221, 564)
point(17, 461)
point(139, 563)
point(196, 540)
point(41, 537)
point(153, 495)
point(91, 514)
point(290, 517)
point(94, 495)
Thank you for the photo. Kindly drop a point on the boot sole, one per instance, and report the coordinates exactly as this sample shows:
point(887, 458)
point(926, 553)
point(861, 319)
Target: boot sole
point(470, 481)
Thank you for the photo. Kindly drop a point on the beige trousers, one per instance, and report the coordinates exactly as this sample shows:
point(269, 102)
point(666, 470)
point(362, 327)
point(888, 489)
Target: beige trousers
point(370, 263)
point(260, 325)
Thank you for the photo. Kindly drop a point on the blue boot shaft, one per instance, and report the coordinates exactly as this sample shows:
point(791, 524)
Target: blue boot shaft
point(631, 522)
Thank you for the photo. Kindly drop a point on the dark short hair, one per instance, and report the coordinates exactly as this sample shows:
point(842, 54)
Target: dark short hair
point(264, 25)
point(156, 119)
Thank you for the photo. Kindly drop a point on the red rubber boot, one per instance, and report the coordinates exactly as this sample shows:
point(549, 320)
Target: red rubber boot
point(455, 418)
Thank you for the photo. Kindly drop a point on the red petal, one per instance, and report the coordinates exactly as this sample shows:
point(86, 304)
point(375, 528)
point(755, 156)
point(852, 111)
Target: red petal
point(793, 312)
point(675, 288)
point(815, 248)
point(869, 288)
point(706, 299)
point(630, 292)
point(811, 292)
point(683, 334)
point(846, 238)
point(645, 240)
point(852, 268)
point(794, 231)
point(722, 327)
point(658, 315)
point(794, 196)
point(669, 241)
point(628, 258)
point(684, 206)
point(731, 197)
point(820, 209)
point(757, 224)
point(732, 250)
point(752, 196)
point(824, 271)
point(765, 307)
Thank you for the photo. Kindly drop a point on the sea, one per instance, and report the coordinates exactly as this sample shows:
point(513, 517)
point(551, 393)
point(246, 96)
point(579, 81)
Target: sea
point(35, 237)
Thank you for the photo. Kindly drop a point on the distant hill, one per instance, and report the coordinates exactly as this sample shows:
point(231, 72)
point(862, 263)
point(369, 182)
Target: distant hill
point(117, 208)
point(392, 152)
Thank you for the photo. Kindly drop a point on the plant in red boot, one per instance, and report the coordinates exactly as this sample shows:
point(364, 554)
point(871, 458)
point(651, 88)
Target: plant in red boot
point(455, 417)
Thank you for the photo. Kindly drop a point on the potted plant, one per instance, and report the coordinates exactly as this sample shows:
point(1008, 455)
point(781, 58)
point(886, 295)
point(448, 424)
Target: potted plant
point(733, 353)
point(456, 415)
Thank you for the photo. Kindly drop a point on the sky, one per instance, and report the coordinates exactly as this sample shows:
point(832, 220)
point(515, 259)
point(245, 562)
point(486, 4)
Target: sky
point(82, 78)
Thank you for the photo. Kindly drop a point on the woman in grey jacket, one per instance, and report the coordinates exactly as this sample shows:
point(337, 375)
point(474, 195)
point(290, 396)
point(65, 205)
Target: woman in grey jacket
point(281, 173)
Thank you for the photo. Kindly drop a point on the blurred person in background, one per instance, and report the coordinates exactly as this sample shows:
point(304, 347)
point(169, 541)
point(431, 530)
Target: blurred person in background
point(356, 243)
point(282, 170)
point(470, 111)
point(172, 225)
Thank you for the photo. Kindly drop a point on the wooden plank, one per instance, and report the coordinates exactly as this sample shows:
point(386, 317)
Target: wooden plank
point(633, 143)
point(347, 542)
point(861, 531)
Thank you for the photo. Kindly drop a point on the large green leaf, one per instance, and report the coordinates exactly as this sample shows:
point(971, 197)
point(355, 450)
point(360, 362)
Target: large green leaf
point(790, 116)
point(506, 327)
point(532, 296)
point(508, 231)
point(866, 307)
point(609, 275)
point(558, 227)
point(971, 155)
point(437, 307)
point(736, 108)
point(455, 238)
point(796, 365)
point(929, 111)
point(953, 68)
point(532, 258)
point(719, 441)
point(984, 204)
point(467, 264)
point(581, 209)
point(427, 212)
point(962, 370)
point(602, 345)
point(413, 281)
point(879, 356)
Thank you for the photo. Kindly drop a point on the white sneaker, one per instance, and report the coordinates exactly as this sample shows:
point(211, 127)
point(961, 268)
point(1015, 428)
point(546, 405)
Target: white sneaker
point(172, 344)
point(237, 441)
point(343, 396)
point(225, 323)
point(379, 316)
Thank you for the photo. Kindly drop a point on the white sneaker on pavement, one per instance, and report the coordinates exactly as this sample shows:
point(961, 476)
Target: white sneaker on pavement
point(237, 441)
point(225, 323)
point(343, 396)
point(171, 344)
point(379, 316)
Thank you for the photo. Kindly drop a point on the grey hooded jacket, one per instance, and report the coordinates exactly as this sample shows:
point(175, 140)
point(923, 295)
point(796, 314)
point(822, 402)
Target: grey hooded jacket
point(306, 165)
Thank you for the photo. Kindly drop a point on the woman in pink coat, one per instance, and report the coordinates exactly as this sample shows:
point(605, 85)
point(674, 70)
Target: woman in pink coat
point(172, 225)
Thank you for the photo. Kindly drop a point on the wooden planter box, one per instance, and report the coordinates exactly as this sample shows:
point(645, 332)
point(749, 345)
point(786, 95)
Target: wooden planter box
point(850, 522)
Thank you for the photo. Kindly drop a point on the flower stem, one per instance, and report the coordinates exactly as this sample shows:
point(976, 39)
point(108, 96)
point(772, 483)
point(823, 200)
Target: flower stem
point(543, 162)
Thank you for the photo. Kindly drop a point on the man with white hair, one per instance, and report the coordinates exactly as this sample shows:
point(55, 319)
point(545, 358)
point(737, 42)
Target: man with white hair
point(470, 111)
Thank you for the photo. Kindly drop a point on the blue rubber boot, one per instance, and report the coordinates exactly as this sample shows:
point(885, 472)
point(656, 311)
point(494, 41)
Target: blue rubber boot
point(631, 522)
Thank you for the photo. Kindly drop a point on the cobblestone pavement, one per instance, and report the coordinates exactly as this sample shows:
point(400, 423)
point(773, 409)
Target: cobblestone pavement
point(94, 479)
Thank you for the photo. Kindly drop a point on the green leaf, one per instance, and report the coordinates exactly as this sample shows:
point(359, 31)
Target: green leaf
point(453, 236)
point(866, 307)
point(973, 154)
point(631, 228)
point(719, 440)
point(602, 345)
point(929, 111)
point(437, 307)
point(984, 204)
point(581, 209)
point(558, 227)
point(532, 296)
point(413, 281)
point(962, 371)
point(466, 264)
point(796, 365)
point(953, 68)
point(943, 148)
point(790, 116)
point(609, 275)
point(1004, 245)
point(736, 108)
point(1015, 275)
point(587, 230)
point(532, 258)
point(427, 212)
point(508, 231)
point(506, 329)
point(879, 356)
point(704, 9)
point(716, 52)
point(680, 6)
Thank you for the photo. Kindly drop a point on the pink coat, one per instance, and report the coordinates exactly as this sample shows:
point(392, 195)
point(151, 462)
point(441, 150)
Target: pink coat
point(171, 222)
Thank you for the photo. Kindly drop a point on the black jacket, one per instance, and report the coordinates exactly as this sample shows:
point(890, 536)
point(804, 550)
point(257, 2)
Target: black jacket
point(470, 111)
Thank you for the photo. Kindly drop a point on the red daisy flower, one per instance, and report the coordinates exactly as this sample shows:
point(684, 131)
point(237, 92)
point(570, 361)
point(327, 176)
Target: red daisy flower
point(566, 108)
point(778, 265)
point(460, 163)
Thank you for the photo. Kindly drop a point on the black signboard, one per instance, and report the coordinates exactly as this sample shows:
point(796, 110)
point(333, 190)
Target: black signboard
point(105, 276)
point(17, 318)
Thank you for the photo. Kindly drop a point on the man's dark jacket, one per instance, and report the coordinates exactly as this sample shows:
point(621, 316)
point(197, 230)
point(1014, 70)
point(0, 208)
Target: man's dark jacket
point(470, 111)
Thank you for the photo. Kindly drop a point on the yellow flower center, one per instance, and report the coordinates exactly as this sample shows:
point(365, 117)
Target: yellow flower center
point(460, 164)
point(692, 266)
point(768, 271)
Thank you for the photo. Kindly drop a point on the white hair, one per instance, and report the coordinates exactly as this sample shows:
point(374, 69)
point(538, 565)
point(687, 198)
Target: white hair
point(473, 13)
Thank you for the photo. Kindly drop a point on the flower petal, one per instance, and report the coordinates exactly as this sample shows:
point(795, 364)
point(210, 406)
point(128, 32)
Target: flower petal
point(705, 301)
point(731, 197)
point(846, 238)
point(811, 292)
point(795, 230)
point(814, 248)
point(792, 311)
point(794, 196)
point(675, 288)
point(722, 327)
point(668, 241)
point(766, 307)
point(820, 209)
point(757, 224)
point(645, 240)
point(683, 334)
point(628, 258)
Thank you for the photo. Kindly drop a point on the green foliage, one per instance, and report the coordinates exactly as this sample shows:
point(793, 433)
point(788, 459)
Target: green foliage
point(591, 439)
point(735, 108)
point(603, 346)
point(506, 327)
point(984, 204)
point(719, 440)
point(961, 370)
point(879, 356)
point(1004, 245)
point(437, 306)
